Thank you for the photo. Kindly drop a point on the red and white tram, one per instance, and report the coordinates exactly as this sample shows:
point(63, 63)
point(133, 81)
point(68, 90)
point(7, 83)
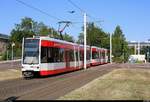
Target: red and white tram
point(95, 55)
point(47, 56)
point(98, 56)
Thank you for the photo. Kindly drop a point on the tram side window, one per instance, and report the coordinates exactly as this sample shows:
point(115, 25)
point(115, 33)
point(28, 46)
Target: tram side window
point(103, 54)
point(88, 55)
point(58, 54)
point(99, 54)
point(52, 55)
point(95, 55)
point(44, 55)
point(77, 56)
point(71, 55)
point(61, 52)
point(81, 56)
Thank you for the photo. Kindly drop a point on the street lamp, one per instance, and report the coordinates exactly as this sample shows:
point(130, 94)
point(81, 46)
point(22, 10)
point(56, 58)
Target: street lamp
point(12, 45)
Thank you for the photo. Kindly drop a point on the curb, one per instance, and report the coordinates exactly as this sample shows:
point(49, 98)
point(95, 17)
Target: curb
point(10, 61)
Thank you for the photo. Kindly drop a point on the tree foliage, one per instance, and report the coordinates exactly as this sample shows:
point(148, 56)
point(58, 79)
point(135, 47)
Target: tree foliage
point(146, 51)
point(69, 38)
point(120, 48)
point(95, 36)
point(27, 28)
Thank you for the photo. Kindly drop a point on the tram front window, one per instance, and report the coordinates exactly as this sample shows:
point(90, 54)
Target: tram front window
point(31, 51)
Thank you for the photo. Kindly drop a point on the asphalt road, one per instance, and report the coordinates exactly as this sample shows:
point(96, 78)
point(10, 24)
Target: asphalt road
point(10, 65)
point(53, 87)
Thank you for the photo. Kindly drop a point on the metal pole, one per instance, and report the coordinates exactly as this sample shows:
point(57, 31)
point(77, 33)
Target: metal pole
point(138, 48)
point(84, 40)
point(110, 49)
point(147, 56)
point(31, 26)
point(12, 53)
point(32, 29)
point(52, 35)
point(135, 49)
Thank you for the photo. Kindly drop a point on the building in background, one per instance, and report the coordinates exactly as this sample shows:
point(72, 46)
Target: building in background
point(4, 41)
point(141, 48)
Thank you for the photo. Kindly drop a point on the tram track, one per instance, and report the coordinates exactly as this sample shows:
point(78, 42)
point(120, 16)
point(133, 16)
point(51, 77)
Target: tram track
point(53, 87)
point(58, 89)
point(21, 87)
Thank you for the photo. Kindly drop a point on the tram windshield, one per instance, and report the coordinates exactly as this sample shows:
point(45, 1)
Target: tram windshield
point(31, 51)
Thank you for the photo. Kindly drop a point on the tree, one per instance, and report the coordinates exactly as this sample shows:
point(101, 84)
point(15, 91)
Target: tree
point(80, 38)
point(119, 45)
point(95, 36)
point(27, 28)
point(146, 51)
point(68, 38)
point(24, 29)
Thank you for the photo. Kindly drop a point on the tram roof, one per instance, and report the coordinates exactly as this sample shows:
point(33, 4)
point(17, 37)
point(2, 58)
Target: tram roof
point(51, 39)
point(98, 48)
point(56, 40)
point(94, 47)
point(62, 41)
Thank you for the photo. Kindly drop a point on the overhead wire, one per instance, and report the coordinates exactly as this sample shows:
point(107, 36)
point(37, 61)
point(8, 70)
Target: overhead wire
point(82, 11)
point(37, 9)
point(51, 16)
point(56, 18)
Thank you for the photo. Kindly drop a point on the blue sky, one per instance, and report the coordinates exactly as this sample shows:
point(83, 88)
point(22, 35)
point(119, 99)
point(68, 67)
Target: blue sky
point(132, 15)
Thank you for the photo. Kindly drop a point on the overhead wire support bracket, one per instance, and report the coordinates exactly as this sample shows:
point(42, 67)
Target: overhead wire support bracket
point(61, 30)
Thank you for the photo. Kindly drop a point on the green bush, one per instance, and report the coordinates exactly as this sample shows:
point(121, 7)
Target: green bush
point(4, 55)
point(140, 62)
point(118, 59)
point(17, 53)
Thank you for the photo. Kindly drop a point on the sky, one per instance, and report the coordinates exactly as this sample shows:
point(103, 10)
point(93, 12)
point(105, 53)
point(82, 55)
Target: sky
point(133, 16)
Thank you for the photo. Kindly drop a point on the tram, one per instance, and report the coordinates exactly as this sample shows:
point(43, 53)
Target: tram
point(48, 56)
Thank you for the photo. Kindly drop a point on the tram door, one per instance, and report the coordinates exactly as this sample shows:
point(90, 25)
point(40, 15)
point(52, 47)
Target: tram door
point(77, 58)
point(67, 58)
point(82, 58)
